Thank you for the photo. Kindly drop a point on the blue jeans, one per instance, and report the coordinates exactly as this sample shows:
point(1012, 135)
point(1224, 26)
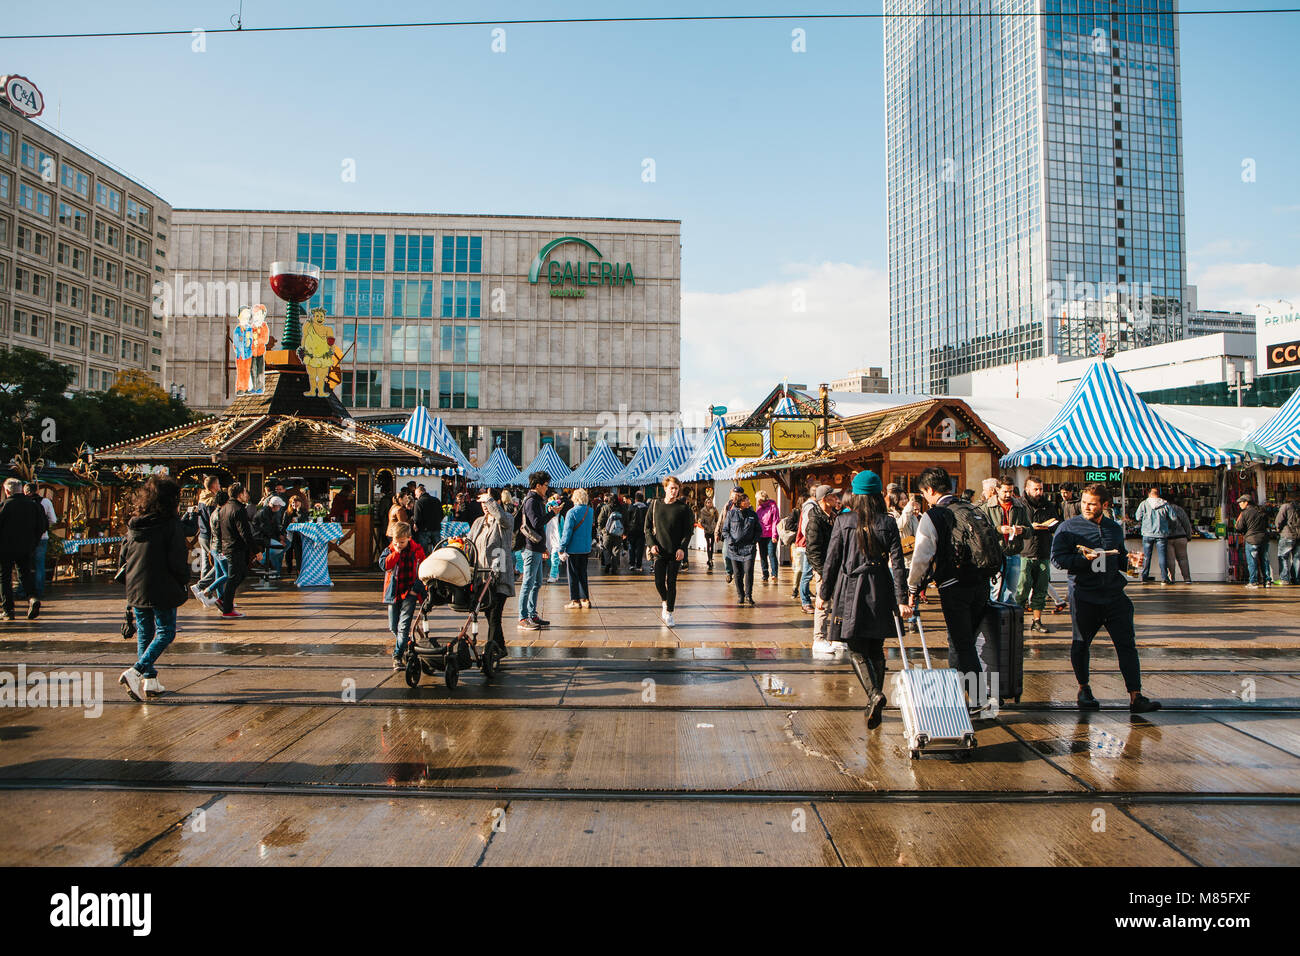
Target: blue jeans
point(1288, 563)
point(274, 556)
point(155, 629)
point(41, 547)
point(805, 581)
point(555, 565)
point(206, 564)
point(220, 571)
point(531, 584)
point(1257, 562)
point(1006, 588)
point(1162, 552)
point(400, 614)
point(766, 554)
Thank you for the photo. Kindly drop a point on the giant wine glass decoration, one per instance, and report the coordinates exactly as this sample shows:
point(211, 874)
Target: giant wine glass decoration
point(295, 282)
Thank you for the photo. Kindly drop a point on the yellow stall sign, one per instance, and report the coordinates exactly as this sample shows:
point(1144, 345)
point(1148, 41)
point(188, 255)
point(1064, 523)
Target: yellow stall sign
point(796, 434)
point(743, 443)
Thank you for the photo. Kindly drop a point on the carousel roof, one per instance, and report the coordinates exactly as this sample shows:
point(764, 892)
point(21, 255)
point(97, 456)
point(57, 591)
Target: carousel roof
point(280, 424)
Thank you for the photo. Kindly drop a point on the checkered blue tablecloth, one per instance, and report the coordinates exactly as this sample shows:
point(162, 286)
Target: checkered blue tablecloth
point(451, 529)
point(316, 539)
point(73, 545)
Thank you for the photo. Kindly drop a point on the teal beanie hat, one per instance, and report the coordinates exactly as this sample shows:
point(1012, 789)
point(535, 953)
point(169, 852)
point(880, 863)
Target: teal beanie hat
point(866, 482)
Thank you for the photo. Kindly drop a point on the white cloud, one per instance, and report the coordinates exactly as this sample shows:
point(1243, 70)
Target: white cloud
point(817, 325)
point(1240, 286)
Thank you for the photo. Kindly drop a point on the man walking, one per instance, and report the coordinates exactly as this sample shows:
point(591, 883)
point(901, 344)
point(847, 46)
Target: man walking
point(1011, 518)
point(1090, 548)
point(1252, 524)
point(33, 491)
point(1155, 518)
point(803, 570)
point(636, 533)
point(427, 518)
point(22, 522)
point(957, 548)
point(817, 537)
point(1288, 528)
point(236, 534)
point(612, 522)
point(533, 528)
point(1035, 560)
point(668, 527)
point(732, 501)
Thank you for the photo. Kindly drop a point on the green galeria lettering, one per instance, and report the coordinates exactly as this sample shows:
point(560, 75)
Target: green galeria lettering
point(597, 271)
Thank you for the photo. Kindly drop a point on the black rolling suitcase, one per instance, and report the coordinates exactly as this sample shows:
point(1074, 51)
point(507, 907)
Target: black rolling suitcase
point(1001, 646)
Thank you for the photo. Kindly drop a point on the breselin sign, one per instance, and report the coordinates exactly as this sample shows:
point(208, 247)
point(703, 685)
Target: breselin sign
point(22, 95)
point(572, 279)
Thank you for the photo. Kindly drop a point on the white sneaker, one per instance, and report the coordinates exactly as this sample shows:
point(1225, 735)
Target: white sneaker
point(823, 648)
point(152, 686)
point(210, 600)
point(663, 608)
point(132, 680)
point(839, 647)
point(194, 589)
point(667, 617)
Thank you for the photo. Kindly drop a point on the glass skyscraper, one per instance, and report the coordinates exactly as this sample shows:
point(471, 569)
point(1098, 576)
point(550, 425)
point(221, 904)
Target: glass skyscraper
point(1034, 181)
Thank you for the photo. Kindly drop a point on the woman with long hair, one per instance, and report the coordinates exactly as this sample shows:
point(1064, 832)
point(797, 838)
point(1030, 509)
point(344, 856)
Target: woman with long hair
point(156, 561)
point(864, 580)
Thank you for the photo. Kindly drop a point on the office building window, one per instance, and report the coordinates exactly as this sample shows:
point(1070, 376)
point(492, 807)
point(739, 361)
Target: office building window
point(458, 388)
point(74, 218)
point(6, 143)
point(363, 252)
point(34, 200)
point(461, 299)
point(72, 296)
point(38, 161)
point(412, 343)
point(409, 388)
point(34, 242)
point(368, 340)
point(108, 197)
point(413, 253)
point(558, 438)
point(109, 235)
point(72, 257)
point(33, 283)
point(364, 297)
point(73, 178)
point(413, 298)
point(459, 344)
point(138, 213)
point(30, 324)
point(321, 249)
point(4, 187)
point(363, 388)
point(509, 439)
point(324, 297)
point(462, 253)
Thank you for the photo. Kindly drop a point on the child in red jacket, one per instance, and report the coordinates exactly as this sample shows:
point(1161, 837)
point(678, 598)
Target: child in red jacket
point(402, 585)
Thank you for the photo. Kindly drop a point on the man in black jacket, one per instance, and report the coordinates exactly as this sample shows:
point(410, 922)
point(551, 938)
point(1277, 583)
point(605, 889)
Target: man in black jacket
point(1035, 559)
point(533, 528)
point(427, 519)
point(1252, 524)
point(236, 533)
point(636, 532)
point(817, 536)
point(610, 543)
point(22, 522)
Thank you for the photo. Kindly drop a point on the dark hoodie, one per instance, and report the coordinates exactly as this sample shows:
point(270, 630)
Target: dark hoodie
point(156, 558)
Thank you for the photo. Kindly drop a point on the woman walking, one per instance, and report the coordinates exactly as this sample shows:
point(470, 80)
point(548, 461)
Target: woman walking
point(492, 535)
point(668, 525)
point(156, 560)
point(769, 515)
point(740, 535)
point(707, 519)
point(864, 581)
point(575, 548)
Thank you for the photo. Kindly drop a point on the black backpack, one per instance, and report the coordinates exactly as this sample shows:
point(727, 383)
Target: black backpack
point(976, 544)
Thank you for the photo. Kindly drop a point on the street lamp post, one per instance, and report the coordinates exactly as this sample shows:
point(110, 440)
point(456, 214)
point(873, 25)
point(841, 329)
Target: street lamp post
point(1241, 380)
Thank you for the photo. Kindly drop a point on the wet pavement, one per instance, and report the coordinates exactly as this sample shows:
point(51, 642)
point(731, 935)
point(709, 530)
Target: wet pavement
point(285, 738)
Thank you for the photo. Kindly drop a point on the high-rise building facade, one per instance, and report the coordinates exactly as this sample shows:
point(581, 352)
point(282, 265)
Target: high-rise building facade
point(1034, 167)
point(516, 330)
point(81, 245)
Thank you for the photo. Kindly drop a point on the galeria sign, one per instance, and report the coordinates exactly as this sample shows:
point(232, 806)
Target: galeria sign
point(23, 95)
point(571, 279)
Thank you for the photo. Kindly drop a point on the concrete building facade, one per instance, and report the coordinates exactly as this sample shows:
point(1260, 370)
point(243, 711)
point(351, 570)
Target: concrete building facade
point(869, 380)
point(518, 331)
point(81, 247)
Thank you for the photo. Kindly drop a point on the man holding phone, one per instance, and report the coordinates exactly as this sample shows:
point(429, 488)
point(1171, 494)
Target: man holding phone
point(1090, 548)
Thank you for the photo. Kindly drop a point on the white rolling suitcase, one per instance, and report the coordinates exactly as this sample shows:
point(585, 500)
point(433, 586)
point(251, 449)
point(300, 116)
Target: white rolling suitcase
point(933, 704)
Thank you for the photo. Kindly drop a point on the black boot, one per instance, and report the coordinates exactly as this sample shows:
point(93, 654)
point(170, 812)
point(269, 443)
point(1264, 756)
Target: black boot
point(866, 672)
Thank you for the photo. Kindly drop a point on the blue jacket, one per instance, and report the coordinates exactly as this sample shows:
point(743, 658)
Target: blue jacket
point(1093, 585)
point(575, 537)
point(1156, 516)
point(740, 532)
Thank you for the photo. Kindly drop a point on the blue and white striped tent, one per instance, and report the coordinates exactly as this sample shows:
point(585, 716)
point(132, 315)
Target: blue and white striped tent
point(420, 429)
point(645, 456)
point(549, 461)
point(785, 406)
point(499, 472)
point(600, 470)
point(1103, 424)
point(709, 458)
point(1281, 433)
point(679, 450)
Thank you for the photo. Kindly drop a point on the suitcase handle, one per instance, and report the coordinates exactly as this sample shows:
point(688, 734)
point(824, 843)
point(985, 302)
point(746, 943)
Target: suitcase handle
point(898, 627)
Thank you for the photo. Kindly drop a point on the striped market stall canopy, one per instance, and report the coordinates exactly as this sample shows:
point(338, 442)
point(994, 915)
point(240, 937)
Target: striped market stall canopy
point(785, 406)
point(1103, 424)
point(548, 460)
point(601, 469)
point(1281, 433)
point(499, 472)
point(709, 459)
point(427, 432)
point(679, 450)
point(644, 458)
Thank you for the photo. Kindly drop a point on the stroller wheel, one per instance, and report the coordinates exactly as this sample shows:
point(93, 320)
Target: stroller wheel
point(492, 659)
point(412, 670)
point(452, 673)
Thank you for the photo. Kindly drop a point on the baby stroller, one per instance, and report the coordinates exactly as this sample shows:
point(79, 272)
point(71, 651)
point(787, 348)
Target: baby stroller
point(450, 579)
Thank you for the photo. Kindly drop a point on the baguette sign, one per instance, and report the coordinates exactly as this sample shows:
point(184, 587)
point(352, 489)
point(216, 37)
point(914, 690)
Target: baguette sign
point(23, 95)
point(743, 443)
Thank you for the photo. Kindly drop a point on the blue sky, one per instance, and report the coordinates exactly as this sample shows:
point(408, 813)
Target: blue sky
point(772, 159)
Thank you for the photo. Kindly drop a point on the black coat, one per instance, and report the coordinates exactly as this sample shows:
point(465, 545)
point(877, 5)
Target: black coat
point(235, 530)
point(156, 557)
point(427, 515)
point(22, 522)
point(816, 537)
point(864, 597)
